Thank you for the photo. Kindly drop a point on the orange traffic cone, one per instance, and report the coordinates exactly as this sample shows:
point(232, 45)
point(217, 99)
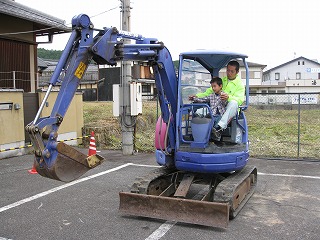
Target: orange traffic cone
point(92, 146)
point(33, 170)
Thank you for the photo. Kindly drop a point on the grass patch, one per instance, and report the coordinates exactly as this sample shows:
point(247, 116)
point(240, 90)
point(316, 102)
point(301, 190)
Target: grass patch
point(272, 133)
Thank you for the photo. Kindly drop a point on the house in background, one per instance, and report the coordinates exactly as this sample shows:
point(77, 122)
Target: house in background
point(42, 65)
point(283, 84)
point(88, 85)
point(300, 75)
point(20, 26)
point(140, 74)
point(89, 79)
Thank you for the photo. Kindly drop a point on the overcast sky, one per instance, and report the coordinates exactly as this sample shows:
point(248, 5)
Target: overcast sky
point(269, 32)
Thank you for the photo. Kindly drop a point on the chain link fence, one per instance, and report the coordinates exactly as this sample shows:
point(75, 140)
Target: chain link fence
point(280, 126)
point(284, 125)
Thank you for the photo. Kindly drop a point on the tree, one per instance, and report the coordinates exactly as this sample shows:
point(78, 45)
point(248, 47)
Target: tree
point(176, 64)
point(49, 54)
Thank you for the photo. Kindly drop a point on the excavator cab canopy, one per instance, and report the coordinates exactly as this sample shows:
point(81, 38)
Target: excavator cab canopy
point(212, 59)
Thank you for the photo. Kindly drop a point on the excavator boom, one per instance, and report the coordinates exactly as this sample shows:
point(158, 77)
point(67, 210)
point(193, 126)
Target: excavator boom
point(58, 160)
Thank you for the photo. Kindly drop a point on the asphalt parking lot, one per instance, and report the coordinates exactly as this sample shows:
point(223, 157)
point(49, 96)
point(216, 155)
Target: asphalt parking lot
point(286, 204)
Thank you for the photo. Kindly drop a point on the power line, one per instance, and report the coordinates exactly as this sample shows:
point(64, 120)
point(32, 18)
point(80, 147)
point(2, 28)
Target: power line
point(104, 12)
point(43, 29)
point(33, 31)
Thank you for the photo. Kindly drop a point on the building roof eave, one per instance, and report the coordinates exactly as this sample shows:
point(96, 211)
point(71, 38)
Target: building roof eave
point(44, 24)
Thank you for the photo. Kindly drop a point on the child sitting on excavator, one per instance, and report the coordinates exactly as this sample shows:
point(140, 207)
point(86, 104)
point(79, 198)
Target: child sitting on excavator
point(217, 105)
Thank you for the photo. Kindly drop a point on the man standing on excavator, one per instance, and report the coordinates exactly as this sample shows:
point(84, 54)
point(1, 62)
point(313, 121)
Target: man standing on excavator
point(233, 92)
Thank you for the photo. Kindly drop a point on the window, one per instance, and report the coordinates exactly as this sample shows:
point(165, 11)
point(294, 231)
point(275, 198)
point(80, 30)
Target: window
point(277, 76)
point(272, 91)
point(302, 62)
point(146, 88)
point(194, 77)
point(257, 75)
point(298, 62)
point(298, 75)
point(264, 92)
point(281, 91)
point(252, 75)
point(318, 75)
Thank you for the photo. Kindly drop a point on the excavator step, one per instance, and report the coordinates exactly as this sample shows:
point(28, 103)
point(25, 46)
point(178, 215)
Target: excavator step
point(204, 213)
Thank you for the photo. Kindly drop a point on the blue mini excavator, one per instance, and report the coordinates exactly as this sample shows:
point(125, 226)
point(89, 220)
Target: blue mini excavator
point(200, 180)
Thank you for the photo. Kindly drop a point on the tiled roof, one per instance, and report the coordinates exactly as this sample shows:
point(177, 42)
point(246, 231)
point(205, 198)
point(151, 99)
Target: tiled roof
point(41, 64)
point(54, 25)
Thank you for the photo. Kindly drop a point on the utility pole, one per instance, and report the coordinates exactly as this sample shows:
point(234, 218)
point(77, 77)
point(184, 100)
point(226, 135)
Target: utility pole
point(127, 123)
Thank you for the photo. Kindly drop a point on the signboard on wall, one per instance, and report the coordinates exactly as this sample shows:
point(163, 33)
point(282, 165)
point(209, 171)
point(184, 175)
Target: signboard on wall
point(305, 99)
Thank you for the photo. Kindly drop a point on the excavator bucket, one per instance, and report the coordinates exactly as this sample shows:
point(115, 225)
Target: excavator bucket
point(204, 213)
point(69, 165)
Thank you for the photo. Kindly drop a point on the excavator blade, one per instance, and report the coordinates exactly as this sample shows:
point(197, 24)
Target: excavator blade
point(204, 213)
point(69, 165)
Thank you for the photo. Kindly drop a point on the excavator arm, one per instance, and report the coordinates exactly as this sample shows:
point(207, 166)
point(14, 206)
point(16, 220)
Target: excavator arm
point(58, 160)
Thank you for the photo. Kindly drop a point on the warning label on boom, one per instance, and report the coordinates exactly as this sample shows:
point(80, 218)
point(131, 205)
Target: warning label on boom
point(80, 70)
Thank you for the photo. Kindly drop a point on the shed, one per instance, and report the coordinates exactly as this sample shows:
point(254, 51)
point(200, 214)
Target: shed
point(18, 43)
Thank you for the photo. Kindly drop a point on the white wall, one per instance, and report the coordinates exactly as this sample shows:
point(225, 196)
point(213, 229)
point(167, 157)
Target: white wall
point(288, 71)
point(303, 89)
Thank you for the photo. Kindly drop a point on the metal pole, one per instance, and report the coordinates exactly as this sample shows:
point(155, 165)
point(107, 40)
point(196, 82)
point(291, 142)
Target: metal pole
point(157, 106)
point(37, 75)
point(127, 127)
point(299, 108)
point(43, 103)
point(97, 82)
point(14, 79)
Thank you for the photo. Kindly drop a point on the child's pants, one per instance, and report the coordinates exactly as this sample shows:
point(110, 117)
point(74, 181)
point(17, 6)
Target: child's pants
point(231, 111)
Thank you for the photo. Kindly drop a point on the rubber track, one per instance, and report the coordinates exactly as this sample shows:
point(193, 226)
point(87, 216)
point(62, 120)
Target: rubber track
point(141, 184)
point(225, 190)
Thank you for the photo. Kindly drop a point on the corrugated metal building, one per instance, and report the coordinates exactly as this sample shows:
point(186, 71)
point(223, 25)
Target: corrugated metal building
point(20, 25)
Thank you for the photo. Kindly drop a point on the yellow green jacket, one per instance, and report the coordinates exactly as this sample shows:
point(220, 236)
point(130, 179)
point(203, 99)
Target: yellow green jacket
point(235, 89)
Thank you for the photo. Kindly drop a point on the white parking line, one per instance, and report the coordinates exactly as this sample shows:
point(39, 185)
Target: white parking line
point(145, 165)
point(288, 175)
point(161, 231)
point(259, 173)
point(39, 195)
